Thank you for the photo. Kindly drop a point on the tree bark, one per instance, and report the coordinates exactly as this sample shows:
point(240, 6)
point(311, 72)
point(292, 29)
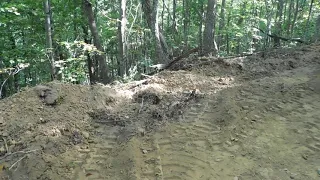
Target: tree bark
point(317, 30)
point(289, 23)
point(200, 24)
point(100, 57)
point(90, 61)
point(228, 26)
point(122, 60)
point(151, 15)
point(294, 17)
point(278, 27)
point(308, 20)
point(186, 20)
point(174, 24)
point(208, 34)
point(49, 50)
point(221, 22)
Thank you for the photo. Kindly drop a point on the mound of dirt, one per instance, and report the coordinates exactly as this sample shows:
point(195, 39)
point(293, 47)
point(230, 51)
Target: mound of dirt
point(139, 129)
point(40, 125)
point(45, 121)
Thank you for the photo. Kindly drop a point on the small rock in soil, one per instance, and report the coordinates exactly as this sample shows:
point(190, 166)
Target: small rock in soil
point(245, 107)
point(141, 131)
point(85, 134)
point(305, 157)
point(4, 134)
point(1, 121)
point(49, 95)
point(2, 150)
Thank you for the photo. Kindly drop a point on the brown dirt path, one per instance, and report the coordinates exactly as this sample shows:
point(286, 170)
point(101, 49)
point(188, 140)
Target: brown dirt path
point(264, 129)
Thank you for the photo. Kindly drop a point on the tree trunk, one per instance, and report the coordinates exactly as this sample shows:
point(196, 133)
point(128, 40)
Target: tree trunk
point(151, 15)
point(174, 24)
point(102, 68)
point(221, 22)
point(200, 24)
point(269, 14)
point(317, 30)
point(278, 27)
point(294, 17)
point(208, 34)
point(308, 20)
point(186, 15)
point(289, 24)
point(228, 26)
point(50, 53)
point(122, 60)
point(90, 62)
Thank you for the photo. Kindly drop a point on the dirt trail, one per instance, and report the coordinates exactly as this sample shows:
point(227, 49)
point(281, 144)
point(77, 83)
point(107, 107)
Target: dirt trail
point(260, 122)
point(267, 128)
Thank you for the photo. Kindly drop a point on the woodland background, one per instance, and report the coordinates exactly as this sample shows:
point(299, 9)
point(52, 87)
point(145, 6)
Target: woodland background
point(99, 41)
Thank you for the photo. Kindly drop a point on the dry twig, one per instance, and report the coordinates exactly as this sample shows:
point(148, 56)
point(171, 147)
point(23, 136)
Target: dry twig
point(17, 162)
point(5, 144)
point(22, 152)
point(141, 105)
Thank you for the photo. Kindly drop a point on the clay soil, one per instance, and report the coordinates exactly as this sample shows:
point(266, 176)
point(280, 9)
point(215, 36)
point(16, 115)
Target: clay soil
point(242, 118)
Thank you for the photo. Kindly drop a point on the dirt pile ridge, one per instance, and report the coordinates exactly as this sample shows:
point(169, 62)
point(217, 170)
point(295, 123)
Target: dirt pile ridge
point(205, 110)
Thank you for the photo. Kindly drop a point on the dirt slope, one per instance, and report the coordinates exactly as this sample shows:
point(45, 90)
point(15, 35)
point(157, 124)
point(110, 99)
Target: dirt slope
point(240, 118)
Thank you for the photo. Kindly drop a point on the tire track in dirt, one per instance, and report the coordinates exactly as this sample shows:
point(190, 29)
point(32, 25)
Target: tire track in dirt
point(149, 160)
point(285, 128)
point(261, 130)
point(307, 109)
point(188, 148)
point(97, 159)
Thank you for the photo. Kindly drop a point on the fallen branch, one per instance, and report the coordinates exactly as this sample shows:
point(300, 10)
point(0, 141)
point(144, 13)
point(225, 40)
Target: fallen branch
point(181, 57)
point(22, 152)
point(161, 67)
point(139, 83)
point(141, 105)
point(5, 144)
point(276, 37)
point(17, 162)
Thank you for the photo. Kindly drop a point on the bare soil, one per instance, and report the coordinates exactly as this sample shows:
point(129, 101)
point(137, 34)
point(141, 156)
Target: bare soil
point(242, 118)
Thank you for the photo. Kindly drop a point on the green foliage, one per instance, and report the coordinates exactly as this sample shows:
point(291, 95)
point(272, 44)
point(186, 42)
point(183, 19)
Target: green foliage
point(23, 40)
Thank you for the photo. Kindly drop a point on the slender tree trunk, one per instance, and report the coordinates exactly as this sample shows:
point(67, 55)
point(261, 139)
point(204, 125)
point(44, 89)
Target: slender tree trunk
point(306, 34)
point(294, 17)
point(122, 60)
point(151, 15)
point(90, 61)
point(103, 69)
point(186, 15)
point(317, 30)
point(221, 23)
point(228, 26)
point(269, 14)
point(240, 24)
point(289, 24)
point(50, 53)
point(208, 34)
point(201, 23)
point(162, 14)
point(278, 27)
point(174, 9)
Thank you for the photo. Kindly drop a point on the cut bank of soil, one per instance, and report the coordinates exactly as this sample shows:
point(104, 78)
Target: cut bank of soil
point(242, 118)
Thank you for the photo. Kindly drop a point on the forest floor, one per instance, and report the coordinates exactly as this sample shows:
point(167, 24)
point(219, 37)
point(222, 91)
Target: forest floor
point(214, 119)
